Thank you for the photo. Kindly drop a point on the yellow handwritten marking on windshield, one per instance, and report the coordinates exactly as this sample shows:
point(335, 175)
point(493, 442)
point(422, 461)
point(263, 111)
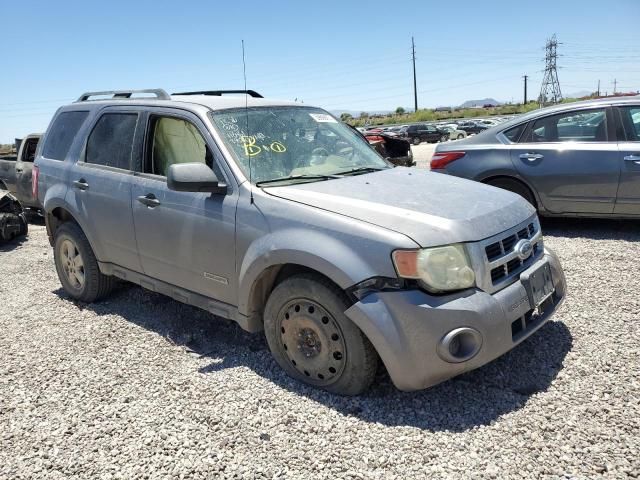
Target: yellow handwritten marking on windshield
point(250, 147)
point(278, 147)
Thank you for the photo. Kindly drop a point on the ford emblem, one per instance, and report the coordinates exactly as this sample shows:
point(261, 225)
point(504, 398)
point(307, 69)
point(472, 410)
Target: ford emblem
point(523, 249)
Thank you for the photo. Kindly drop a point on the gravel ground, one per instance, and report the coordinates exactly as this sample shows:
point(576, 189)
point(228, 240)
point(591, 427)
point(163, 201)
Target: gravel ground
point(140, 386)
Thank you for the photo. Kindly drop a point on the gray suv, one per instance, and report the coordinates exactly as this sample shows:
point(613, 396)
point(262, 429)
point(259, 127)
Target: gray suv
point(576, 159)
point(276, 215)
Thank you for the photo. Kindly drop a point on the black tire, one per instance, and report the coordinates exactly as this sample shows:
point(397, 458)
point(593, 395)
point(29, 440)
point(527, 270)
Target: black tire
point(321, 363)
point(460, 136)
point(444, 138)
point(416, 141)
point(516, 187)
point(95, 285)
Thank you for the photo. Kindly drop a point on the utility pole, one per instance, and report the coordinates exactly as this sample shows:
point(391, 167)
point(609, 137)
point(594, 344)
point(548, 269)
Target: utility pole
point(415, 84)
point(615, 84)
point(550, 90)
point(525, 88)
point(598, 91)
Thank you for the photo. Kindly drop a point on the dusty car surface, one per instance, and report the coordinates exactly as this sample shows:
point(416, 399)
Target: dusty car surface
point(576, 159)
point(278, 216)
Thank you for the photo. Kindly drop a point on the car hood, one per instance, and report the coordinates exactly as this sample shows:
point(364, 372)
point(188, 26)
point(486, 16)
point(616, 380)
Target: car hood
point(430, 208)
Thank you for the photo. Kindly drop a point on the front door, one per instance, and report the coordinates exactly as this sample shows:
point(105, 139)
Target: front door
point(628, 200)
point(569, 160)
point(185, 239)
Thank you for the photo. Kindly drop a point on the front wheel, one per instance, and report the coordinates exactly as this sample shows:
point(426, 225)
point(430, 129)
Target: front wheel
point(416, 141)
point(313, 340)
point(444, 138)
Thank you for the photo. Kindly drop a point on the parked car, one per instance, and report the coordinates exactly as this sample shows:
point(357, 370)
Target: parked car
point(393, 149)
point(577, 159)
point(472, 127)
point(421, 132)
point(280, 217)
point(15, 173)
point(453, 133)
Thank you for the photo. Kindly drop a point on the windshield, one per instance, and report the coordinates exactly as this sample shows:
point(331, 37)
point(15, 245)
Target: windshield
point(302, 142)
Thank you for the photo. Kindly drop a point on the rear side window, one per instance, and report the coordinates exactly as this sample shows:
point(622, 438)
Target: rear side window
point(581, 126)
point(111, 141)
point(62, 133)
point(513, 134)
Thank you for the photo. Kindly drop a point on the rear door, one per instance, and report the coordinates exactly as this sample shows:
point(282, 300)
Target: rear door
point(185, 239)
point(570, 161)
point(100, 185)
point(628, 199)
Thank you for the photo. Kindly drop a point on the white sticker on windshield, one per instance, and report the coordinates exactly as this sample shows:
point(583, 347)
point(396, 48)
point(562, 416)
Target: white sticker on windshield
point(323, 118)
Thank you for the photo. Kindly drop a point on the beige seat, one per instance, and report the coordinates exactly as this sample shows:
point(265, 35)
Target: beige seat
point(176, 141)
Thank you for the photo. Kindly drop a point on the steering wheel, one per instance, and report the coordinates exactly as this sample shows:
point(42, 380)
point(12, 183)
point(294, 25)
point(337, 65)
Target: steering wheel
point(319, 152)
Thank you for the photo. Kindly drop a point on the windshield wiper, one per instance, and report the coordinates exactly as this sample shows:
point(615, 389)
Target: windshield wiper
point(359, 170)
point(296, 177)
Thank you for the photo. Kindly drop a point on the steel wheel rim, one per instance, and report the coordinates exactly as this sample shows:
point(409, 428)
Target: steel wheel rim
point(72, 264)
point(312, 341)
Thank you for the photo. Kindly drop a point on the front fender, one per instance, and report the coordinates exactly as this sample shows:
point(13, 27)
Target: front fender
point(329, 255)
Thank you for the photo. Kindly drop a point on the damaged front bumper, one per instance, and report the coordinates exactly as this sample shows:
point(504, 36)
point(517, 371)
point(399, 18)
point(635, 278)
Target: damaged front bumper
point(13, 222)
point(425, 339)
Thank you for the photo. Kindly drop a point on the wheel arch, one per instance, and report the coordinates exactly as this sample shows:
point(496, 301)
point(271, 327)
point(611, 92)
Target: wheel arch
point(521, 181)
point(59, 213)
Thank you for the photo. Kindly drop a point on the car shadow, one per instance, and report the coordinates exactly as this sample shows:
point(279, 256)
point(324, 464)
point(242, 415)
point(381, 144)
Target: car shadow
point(14, 243)
point(475, 398)
point(594, 228)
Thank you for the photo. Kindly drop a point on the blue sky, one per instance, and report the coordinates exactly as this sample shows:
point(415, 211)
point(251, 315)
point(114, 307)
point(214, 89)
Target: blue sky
point(335, 54)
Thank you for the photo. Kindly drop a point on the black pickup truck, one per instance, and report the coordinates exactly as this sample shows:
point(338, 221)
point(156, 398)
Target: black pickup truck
point(15, 172)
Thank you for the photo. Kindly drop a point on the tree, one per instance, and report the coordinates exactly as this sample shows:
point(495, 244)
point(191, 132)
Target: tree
point(364, 115)
point(345, 117)
point(400, 111)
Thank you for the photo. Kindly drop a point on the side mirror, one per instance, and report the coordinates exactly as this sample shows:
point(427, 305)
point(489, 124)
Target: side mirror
point(194, 177)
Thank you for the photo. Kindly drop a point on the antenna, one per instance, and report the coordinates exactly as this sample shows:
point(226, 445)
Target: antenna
point(246, 111)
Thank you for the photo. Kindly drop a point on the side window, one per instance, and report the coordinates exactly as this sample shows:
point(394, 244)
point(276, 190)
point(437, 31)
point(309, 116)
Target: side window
point(631, 122)
point(29, 151)
point(581, 126)
point(111, 140)
point(513, 134)
point(174, 140)
point(62, 133)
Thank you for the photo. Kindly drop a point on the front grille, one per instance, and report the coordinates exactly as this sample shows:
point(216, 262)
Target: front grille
point(502, 263)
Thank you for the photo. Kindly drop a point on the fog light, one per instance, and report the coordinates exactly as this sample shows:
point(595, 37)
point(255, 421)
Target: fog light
point(460, 345)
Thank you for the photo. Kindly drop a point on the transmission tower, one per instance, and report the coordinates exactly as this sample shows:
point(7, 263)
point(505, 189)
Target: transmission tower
point(550, 90)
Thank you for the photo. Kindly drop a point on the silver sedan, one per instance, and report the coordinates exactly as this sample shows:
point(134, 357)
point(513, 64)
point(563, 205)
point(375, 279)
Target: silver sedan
point(577, 159)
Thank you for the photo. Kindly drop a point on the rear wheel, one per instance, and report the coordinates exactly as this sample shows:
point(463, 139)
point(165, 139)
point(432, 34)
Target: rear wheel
point(514, 186)
point(77, 266)
point(460, 136)
point(416, 141)
point(313, 340)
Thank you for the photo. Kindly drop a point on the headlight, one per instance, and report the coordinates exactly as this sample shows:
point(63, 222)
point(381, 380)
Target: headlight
point(439, 269)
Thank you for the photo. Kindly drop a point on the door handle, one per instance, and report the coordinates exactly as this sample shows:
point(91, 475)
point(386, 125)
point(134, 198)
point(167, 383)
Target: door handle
point(633, 158)
point(81, 184)
point(149, 200)
point(532, 157)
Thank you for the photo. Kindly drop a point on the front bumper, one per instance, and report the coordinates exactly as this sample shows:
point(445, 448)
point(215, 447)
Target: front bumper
point(407, 327)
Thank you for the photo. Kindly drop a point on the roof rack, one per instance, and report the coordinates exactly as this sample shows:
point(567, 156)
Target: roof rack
point(124, 94)
point(219, 93)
